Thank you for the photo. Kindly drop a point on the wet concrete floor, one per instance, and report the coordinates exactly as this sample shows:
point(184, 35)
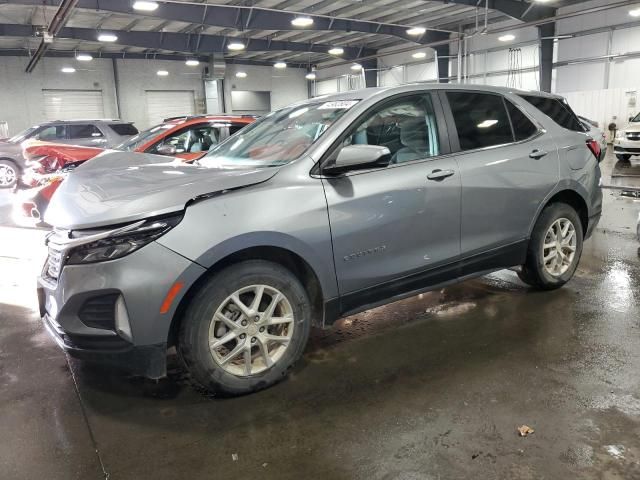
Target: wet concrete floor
point(433, 387)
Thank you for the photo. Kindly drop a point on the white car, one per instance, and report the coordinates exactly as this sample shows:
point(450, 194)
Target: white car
point(627, 141)
point(593, 129)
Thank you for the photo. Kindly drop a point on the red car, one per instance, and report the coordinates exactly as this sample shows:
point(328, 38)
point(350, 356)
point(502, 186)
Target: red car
point(187, 138)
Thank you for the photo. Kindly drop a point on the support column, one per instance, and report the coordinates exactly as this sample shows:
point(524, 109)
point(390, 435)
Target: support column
point(442, 56)
point(370, 72)
point(546, 54)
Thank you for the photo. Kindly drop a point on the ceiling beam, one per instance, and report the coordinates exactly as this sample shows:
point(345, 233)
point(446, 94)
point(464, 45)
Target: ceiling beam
point(57, 22)
point(184, 42)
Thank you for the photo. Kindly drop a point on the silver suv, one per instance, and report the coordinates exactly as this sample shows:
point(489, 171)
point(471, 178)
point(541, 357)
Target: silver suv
point(316, 211)
point(94, 133)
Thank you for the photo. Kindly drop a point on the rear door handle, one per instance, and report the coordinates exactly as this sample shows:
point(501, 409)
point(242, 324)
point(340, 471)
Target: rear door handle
point(439, 175)
point(536, 154)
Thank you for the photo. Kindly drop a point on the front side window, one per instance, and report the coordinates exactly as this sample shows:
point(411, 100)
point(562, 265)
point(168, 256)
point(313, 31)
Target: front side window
point(559, 111)
point(52, 133)
point(83, 131)
point(195, 139)
point(278, 138)
point(481, 119)
point(407, 127)
point(523, 128)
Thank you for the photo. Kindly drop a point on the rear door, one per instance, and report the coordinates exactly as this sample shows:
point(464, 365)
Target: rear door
point(507, 164)
point(392, 226)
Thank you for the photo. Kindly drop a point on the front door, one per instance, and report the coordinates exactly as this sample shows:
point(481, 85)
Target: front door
point(392, 225)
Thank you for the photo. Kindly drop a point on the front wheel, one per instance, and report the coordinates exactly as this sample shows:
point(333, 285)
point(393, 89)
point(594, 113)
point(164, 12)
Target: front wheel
point(8, 174)
point(554, 249)
point(245, 328)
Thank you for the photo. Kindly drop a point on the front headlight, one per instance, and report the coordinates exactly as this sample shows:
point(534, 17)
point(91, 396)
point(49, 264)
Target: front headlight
point(620, 134)
point(123, 242)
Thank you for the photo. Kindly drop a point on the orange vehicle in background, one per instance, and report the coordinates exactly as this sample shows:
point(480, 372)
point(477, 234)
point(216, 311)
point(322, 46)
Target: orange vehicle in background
point(188, 138)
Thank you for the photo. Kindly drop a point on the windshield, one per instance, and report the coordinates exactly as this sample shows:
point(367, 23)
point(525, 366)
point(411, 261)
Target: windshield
point(278, 138)
point(23, 135)
point(636, 118)
point(143, 137)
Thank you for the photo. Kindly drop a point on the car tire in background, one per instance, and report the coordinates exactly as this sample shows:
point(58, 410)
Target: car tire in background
point(554, 248)
point(622, 157)
point(254, 313)
point(8, 174)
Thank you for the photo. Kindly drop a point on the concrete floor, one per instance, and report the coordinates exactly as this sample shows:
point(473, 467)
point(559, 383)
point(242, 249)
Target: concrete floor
point(433, 387)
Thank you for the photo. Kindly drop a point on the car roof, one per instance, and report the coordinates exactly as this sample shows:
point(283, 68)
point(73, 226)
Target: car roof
point(83, 120)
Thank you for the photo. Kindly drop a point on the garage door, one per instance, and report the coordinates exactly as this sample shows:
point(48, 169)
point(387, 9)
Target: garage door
point(163, 104)
point(72, 104)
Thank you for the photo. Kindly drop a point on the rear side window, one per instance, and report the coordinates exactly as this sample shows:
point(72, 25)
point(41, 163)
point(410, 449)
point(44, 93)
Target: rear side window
point(83, 131)
point(559, 111)
point(523, 128)
point(481, 119)
point(123, 128)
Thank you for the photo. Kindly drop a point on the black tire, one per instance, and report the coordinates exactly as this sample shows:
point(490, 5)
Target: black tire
point(533, 271)
point(206, 374)
point(623, 158)
point(9, 166)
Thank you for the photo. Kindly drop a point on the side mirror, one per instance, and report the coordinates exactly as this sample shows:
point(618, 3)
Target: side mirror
point(359, 157)
point(166, 150)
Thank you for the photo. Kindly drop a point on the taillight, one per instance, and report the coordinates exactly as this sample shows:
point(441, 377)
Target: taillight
point(594, 147)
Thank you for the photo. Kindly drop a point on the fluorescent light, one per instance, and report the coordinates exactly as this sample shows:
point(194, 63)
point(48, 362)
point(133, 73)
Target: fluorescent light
point(241, 74)
point(280, 65)
point(84, 57)
point(487, 123)
point(192, 62)
point(419, 55)
point(416, 31)
point(310, 76)
point(336, 51)
point(68, 70)
point(507, 38)
point(236, 46)
point(356, 66)
point(162, 73)
point(635, 12)
point(302, 21)
point(107, 37)
point(145, 6)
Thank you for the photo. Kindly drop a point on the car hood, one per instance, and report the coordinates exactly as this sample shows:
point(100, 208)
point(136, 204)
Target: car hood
point(10, 149)
point(117, 187)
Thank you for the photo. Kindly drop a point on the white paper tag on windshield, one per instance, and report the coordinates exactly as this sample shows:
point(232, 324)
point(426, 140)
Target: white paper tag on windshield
point(338, 105)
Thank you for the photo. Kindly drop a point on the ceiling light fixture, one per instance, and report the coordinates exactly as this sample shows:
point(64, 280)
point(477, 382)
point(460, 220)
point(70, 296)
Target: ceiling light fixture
point(145, 6)
point(107, 37)
point(635, 12)
point(302, 21)
point(68, 70)
point(419, 55)
point(416, 31)
point(336, 51)
point(192, 62)
point(241, 74)
point(162, 73)
point(507, 38)
point(356, 66)
point(84, 57)
point(310, 76)
point(236, 46)
point(280, 65)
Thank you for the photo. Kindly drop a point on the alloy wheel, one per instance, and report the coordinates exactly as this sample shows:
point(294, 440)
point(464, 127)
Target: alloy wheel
point(559, 248)
point(251, 330)
point(7, 175)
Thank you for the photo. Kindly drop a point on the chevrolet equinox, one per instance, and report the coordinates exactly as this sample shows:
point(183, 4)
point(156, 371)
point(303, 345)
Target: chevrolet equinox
point(317, 211)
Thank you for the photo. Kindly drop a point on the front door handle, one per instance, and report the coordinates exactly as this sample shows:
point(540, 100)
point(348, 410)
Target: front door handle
point(537, 154)
point(439, 175)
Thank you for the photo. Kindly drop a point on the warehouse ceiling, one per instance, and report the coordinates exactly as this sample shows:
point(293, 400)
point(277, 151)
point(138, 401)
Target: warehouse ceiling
point(181, 27)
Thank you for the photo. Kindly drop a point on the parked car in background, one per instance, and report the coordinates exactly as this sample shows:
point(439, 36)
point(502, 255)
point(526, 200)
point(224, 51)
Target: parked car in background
point(105, 133)
point(593, 129)
point(187, 138)
point(320, 210)
point(627, 141)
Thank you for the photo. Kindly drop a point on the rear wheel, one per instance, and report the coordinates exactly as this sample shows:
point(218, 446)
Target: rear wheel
point(8, 174)
point(245, 328)
point(554, 249)
point(622, 157)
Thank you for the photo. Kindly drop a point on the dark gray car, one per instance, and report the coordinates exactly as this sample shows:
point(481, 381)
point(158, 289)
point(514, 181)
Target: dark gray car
point(316, 211)
point(91, 133)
